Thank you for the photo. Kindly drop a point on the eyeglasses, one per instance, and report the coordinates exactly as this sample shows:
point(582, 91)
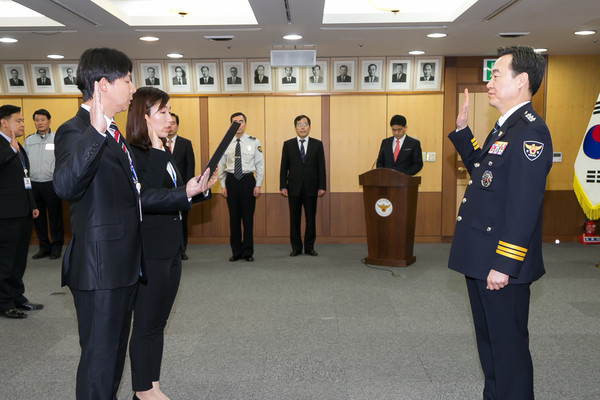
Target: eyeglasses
point(302, 125)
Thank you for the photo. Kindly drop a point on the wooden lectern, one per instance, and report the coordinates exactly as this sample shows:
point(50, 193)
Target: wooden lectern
point(390, 199)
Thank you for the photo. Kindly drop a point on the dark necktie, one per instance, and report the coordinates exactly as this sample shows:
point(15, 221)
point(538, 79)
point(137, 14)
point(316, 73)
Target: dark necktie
point(491, 137)
point(302, 152)
point(117, 135)
point(237, 167)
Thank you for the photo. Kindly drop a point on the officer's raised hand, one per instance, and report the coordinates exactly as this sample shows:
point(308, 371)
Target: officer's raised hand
point(461, 120)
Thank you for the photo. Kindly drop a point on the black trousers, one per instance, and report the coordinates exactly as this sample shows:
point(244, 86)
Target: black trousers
point(241, 203)
point(104, 321)
point(50, 207)
point(14, 244)
point(310, 215)
point(184, 224)
point(152, 309)
point(500, 318)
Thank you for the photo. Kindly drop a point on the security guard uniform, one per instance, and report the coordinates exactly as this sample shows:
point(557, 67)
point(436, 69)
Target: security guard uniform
point(240, 193)
point(40, 149)
point(499, 227)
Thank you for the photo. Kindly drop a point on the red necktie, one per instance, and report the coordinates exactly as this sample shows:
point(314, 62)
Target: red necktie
point(117, 135)
point(397, 150)
point(170, 145)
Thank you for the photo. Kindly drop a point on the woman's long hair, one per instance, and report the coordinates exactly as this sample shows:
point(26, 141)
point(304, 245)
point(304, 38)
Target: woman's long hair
point(137, 128)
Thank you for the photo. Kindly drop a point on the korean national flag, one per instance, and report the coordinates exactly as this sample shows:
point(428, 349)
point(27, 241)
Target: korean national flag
point(586, 180)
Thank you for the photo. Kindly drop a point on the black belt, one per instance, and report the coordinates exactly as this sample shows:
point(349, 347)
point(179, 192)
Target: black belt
point(247, 173)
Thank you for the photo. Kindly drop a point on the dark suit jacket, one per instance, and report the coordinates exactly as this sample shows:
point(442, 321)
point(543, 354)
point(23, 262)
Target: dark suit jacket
point(162, 231)
point(183, 80)
point(264, 80)
point(93, 174)
point(431, 78)
point(410, 158)
point(74, 81)
point(295, 175)
point(292, 79)
point(157, 81)
point(18, 83)
point(375, 79)
point(237, 81)
point(39, 82)
point(15, 200)
point(319, 79)
point(348, 78)
point(211, 80)
point(184, 158)
point(401, 78)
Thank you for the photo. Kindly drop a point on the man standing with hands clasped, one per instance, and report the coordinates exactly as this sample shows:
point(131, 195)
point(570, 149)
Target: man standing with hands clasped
point(301, 180)
point(241, 160)
point(497, 241)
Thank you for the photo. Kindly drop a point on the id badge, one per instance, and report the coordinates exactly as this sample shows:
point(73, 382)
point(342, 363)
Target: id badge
point(27, 182)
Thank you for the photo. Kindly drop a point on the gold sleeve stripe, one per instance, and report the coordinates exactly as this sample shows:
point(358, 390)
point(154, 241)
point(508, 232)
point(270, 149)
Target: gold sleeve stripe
point(511, 251)
point(474, 143)
point(502, 253)
point(512, 246)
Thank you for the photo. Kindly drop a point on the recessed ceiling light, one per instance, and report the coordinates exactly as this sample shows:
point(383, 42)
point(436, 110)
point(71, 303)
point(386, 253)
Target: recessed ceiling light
point(8, 40)
point(292, 37)
point(416, 52)
point(55, 56)
point(437, 35)
point(540, 50)
point(149, 38)
point(585, 33)
point(174, 55)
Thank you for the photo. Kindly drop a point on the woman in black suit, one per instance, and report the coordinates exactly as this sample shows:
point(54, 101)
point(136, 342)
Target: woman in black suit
point(148, 122)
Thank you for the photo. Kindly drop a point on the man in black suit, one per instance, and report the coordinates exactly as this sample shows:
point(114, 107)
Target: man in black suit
point(152, 80)
point(301, 179)
point(206, 79)
point(399, 75)
point(17, 210)
point(103, 260)
point(288, 78)
point(371, 77)
point(400, 152)
point(43, 80)
point(259, 75)
point(343, 76)
point(234, 79)
point(427, 73)
point(70, 79)
point(316, 76)
point(179, 78)
point(183, 152)
point(14, 78)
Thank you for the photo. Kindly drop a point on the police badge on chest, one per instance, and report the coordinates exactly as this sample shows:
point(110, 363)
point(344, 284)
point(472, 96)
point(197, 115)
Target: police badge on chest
point(486, 178)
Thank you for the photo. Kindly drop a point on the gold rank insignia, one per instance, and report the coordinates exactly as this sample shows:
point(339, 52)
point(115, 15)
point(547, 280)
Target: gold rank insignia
point(532, 149)
point(511, 250)
point(475, 144)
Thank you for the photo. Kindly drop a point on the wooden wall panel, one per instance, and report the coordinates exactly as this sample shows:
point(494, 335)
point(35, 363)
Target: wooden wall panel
point(424, 118)
point(61, 109)
point(348, 215)
point(358, 124)
point(572, 90)
point(562, 217)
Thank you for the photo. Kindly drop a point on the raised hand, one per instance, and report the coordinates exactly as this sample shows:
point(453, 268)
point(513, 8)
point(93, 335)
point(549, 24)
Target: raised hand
point(97, 111)
point(461, 120)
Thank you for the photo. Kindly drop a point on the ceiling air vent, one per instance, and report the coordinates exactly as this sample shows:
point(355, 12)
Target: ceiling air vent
point(513, 34)
point(222, 38)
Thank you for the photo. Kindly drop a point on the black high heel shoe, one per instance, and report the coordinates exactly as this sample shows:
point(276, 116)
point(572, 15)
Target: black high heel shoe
point(135, 397)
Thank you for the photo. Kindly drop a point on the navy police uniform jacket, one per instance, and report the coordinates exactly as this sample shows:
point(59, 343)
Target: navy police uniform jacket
point(499, 221)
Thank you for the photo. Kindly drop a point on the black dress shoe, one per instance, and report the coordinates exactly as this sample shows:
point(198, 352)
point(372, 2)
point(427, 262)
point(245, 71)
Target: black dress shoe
point(184, 256)
point(234, 258)
point(14, 313)
point(311, 252)
point(30, 306)
point(54, 256)
point(294, 253)
point(41, 254)
point(249, 258)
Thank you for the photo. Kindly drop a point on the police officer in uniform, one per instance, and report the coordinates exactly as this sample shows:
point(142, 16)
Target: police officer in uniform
point(40, 148)
point(497, 241)
point(242, 159)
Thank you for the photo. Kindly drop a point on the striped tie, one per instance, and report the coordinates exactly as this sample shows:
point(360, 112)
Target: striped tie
point(302, 152)
point(117, 135)
point(237, 166)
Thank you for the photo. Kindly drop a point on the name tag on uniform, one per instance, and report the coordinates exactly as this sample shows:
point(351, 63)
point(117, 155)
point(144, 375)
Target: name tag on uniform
point(27, 182)
point(498, 148)
point(49, 146)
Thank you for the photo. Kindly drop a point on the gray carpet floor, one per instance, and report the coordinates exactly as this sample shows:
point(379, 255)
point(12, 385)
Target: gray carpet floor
point(326, 327)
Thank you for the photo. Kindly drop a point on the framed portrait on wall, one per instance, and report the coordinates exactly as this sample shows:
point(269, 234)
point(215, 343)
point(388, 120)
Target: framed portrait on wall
point(399, 74)
point(179, 77)
point(316, 78)
point(68, 78)
point(42, 78)
point(234, 78)
point(428, 75)
point(15, 78)
point(288, 79)
point(207, 76)
point(261, 76)
point(343, 74)
point(151, 74)
point(372, 74)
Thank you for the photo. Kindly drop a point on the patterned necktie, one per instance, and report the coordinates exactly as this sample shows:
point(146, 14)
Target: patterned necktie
point(302, 152)
point(170, 145)
point(117, 135)
point(237, 168)
point(397, 150)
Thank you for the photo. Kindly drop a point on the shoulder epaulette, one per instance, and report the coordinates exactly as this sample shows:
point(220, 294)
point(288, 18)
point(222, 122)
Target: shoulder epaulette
point(252, 137)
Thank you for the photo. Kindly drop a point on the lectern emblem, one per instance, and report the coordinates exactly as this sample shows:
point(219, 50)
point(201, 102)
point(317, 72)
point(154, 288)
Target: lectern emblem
point(383, 207)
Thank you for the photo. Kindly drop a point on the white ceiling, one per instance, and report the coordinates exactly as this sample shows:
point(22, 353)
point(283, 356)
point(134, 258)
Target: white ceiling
point(83, 24)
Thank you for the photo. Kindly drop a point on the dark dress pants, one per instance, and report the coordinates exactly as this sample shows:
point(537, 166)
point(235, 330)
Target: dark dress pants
point(152, 308)
point(500, 318)
point(241, 203)
point(104, 321)
point(310, 214)
point(46, 199)
point(184, 224)
point(14, 244)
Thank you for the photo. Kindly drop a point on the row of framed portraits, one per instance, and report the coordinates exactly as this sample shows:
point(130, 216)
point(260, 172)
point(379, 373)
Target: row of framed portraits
point(370, 74)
